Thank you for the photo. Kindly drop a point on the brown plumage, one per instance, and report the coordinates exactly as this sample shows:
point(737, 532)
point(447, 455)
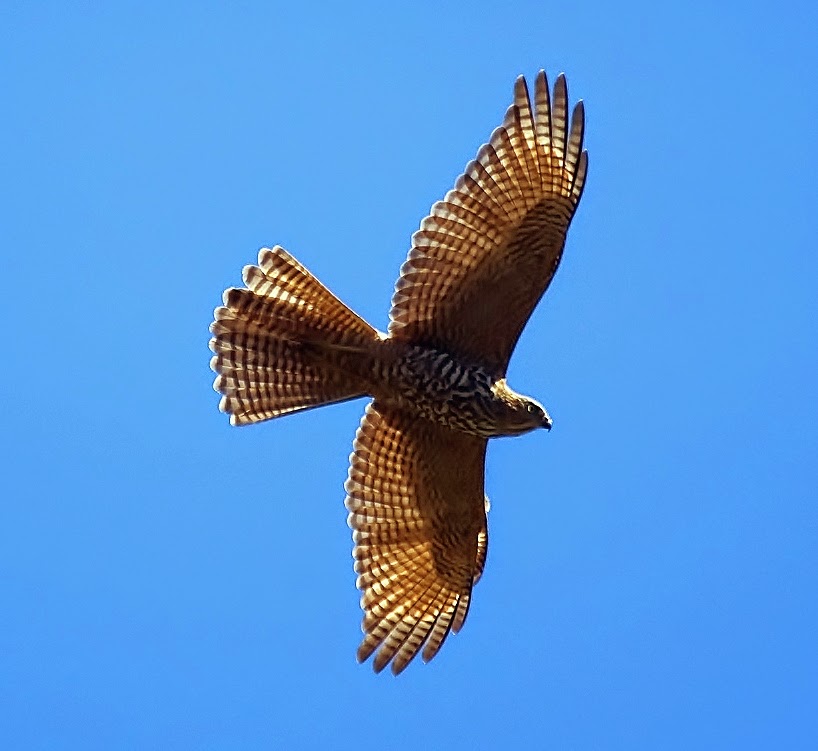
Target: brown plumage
point(477, 267)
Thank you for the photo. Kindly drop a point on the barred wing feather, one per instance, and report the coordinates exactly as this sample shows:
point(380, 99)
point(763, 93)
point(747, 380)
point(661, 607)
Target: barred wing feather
point(486, 253)
point(417, 510)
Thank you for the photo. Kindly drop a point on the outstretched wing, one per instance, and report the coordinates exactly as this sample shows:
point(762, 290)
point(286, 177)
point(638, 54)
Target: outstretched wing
point(486, 254)
point(418, 511)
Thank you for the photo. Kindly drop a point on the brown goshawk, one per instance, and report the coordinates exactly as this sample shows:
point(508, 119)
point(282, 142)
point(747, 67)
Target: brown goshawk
point(477, 267)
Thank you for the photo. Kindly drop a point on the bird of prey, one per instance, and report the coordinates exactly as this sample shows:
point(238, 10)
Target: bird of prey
point(477, 267)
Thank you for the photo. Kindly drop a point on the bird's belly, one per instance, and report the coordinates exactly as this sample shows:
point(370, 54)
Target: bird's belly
point(440, 388)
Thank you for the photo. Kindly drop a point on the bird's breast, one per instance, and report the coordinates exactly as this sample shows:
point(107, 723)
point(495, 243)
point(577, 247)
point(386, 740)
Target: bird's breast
point(439, 387)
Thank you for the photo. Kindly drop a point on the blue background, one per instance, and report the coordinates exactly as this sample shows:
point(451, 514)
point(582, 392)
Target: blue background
point(169, 582)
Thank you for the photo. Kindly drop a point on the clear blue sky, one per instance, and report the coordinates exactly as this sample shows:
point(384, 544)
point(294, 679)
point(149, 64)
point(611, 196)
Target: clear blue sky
point(170, 582)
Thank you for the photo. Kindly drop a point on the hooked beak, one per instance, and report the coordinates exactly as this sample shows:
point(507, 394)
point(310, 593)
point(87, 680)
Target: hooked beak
point(546, 422)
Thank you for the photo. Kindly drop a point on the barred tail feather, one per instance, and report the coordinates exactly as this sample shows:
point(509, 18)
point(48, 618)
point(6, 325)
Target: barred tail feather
point(271, 341)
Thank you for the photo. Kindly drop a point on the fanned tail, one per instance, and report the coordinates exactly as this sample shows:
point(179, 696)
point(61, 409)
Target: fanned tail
point(274, 342)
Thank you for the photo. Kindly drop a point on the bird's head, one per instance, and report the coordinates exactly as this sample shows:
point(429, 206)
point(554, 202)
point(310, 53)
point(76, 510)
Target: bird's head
point(518, 413)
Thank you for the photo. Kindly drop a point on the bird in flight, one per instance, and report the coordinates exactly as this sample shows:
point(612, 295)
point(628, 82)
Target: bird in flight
point(477, 267)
